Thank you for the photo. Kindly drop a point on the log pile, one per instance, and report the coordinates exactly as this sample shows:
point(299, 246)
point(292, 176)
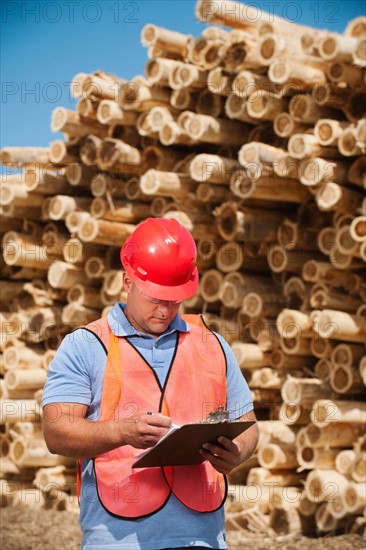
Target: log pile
point(253, 138)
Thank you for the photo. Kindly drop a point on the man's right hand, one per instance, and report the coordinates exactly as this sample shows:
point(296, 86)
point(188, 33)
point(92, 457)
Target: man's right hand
point(144, 430)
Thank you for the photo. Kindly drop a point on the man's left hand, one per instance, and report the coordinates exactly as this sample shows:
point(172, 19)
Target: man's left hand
point(224, 457)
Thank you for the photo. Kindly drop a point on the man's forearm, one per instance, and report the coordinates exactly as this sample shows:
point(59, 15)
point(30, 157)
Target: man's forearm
point(67, 432)
point(248, 442)
point(81, 438)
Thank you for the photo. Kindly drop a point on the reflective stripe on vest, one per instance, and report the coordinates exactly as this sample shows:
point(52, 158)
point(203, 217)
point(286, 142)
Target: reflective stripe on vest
point(194, 386)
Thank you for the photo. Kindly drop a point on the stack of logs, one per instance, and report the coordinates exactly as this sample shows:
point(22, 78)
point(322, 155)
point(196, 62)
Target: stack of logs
point(252, 137)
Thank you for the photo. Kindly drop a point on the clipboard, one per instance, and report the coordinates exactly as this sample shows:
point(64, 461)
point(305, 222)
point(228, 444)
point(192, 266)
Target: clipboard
point(181, 445)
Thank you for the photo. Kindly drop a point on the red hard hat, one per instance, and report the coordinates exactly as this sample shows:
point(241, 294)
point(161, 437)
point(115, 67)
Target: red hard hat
point(160, 257)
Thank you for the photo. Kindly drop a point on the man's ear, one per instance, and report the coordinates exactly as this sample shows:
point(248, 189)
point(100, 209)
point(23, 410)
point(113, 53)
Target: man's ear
point(127, 282)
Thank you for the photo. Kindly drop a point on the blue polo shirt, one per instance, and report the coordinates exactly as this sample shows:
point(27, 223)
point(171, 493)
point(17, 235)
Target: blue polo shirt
point(76, 376)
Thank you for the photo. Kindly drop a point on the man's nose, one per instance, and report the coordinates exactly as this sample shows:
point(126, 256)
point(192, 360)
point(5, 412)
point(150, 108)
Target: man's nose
point(165, 306)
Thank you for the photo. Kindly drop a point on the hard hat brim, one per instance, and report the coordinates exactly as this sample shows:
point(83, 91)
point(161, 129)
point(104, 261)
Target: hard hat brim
point(174, 293)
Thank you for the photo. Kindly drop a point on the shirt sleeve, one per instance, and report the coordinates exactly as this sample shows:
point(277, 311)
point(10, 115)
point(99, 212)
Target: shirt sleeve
point(70, 373)
point(239, 399)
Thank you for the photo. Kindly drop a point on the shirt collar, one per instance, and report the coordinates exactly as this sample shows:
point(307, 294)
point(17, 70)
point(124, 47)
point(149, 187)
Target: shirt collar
point(120, 325)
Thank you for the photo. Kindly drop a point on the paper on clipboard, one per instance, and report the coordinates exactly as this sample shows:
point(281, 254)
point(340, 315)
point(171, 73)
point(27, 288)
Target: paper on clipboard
point(181, 445)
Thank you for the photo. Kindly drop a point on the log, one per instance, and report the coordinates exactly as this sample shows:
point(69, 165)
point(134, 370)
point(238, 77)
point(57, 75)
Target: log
point(32, 453)
point(284, 125)
point(109, 112)
point(74, 220)
point(61, 205)
point(362, 369)
point(172, 134)
point(272, 188)
point(236, 108)
point(69, 122)
point(120, 211)
point(77, 315)
point(328, 411)
point(209, 104)
point(268, 305)
point(76, 252)
point(236, 285)
point(13, 411)
point(347, 354)
point(340, 326)
point(291, 235)
point(24, 156)
point(297, 294)
point(210, 285)
point(322, 459)
point(169, 184)
point(316, 171)
point(358, 470)
point(325, 521)
point(112, 284)
point(267, 377)
point(101, 85)
point(303, 391)
point(247, 82)
point(84, 295)
point(348, 143)
point(212, 168)
point(293, 72)
point(257, 152)
point(171, 41)
point(45, 181)
point(104, 232)
point(23, 250)
point(358, 229)
point(95, 267)
point(250, 356)
point(57, 476)
point(116, 156)
point(330, 95)
point(232, 257)
point(344, 73)
point(354, 497)
point(204, 53)
point(215, 130)
point(62, 154)
point(220, 81)
point(64, 275)
point(323, 297)
point(79, 175)
point(323, 272)
point(296, 346)
point(162, 158)
point(21, 357)
point(293, 324)
point(344, 460)
point(320, 485)
point(137, 95)
point(104, 184)
point(182, 99)
point(276, 457)
point(25, 379)
point(289, 478)
point(265, 105)
point(291, 260)
point(328, 131)
point(301, 146)
point(334, 47)
point(240, 224)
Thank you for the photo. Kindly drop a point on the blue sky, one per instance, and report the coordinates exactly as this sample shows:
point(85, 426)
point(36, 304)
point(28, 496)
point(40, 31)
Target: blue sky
point(45, 43)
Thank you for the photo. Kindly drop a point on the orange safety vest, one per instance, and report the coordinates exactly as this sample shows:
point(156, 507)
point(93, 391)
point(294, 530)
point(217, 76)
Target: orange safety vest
point(195, 385)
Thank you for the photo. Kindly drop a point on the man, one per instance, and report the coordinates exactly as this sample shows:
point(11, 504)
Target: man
point(116, 386)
